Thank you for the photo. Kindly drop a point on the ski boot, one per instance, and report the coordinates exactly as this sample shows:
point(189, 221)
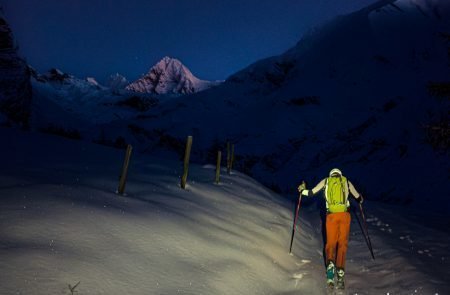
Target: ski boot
point(340, 278)
point(331, 269)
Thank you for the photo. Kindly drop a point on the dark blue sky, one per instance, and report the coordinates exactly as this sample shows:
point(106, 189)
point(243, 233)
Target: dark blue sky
point(213, 38)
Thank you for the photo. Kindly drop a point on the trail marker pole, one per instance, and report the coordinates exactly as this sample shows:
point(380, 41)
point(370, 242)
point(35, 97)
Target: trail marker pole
point(232, 157)
point(219, 159)
point(228, 158)
point(187, 154)
point(123, 177)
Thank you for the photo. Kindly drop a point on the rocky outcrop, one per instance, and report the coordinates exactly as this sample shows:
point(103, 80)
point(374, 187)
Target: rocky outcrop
point(15, 85)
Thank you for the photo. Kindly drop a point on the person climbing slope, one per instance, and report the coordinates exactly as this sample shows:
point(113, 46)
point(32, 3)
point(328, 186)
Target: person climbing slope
point(336, 190)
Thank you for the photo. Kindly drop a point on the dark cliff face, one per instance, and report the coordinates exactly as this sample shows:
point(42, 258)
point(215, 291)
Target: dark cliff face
point(15, 85)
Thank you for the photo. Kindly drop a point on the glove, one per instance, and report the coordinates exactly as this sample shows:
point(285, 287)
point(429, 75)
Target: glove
point(360, 199)
point(302, 187)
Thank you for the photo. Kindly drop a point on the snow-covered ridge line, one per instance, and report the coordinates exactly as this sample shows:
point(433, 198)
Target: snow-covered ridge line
point(433, 8)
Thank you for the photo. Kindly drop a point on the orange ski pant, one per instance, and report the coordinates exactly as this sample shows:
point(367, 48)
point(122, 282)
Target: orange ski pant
point(338, 230)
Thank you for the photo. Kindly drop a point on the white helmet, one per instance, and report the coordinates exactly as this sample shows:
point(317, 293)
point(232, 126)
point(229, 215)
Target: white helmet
point(335, 171)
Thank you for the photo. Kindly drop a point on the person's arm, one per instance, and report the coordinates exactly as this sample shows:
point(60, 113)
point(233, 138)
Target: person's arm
point(354, 192)
point(315, 190)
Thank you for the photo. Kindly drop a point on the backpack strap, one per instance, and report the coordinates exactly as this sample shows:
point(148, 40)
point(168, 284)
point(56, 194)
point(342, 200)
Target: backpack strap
point(326, 193)
point(344, 201)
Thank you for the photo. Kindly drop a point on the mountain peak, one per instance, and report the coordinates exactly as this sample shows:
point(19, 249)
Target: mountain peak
point(169, 76)
point(168, 59)
point(117, 82)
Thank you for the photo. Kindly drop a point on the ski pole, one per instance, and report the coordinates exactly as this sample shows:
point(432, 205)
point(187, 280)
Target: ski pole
point(366, 231)
point(294, 225)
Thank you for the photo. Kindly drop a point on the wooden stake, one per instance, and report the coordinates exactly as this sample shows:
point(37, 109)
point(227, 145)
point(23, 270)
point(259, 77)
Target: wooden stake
point(228, 158)
point(219, 159)
point(123, 177)
point(232, 157)
point(187, 155)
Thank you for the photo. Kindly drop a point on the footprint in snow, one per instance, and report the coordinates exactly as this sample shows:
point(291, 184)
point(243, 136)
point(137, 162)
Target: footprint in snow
point(375, 221)
point(407, 238)
point(372, 218)
point(298, 277)
point(426, 251)
point(303, 262)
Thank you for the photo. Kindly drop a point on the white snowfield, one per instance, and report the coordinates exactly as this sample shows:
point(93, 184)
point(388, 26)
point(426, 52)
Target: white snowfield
point(61, 223)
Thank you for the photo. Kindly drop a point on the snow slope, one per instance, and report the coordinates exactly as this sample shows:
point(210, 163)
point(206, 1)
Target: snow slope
point(62, 223)
point(170, 76)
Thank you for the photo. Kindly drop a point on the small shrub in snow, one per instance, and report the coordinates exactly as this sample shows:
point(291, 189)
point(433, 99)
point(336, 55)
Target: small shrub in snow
point(72, 288)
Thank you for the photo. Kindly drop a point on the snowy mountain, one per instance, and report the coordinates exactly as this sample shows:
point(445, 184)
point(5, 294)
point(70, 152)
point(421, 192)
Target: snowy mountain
point(15, 87)
point(73, 107)
point(357, 93)
point(117, 82)
point(170, 76)
point(56, 78)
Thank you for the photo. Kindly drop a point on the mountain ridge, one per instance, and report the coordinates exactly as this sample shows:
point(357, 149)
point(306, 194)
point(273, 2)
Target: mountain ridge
point(170, 76)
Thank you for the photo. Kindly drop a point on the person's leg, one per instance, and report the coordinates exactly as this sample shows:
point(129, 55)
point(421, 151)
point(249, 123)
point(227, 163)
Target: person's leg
point(342, 238)
point(332, 237)
point(330, 247)
point(344, 232)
